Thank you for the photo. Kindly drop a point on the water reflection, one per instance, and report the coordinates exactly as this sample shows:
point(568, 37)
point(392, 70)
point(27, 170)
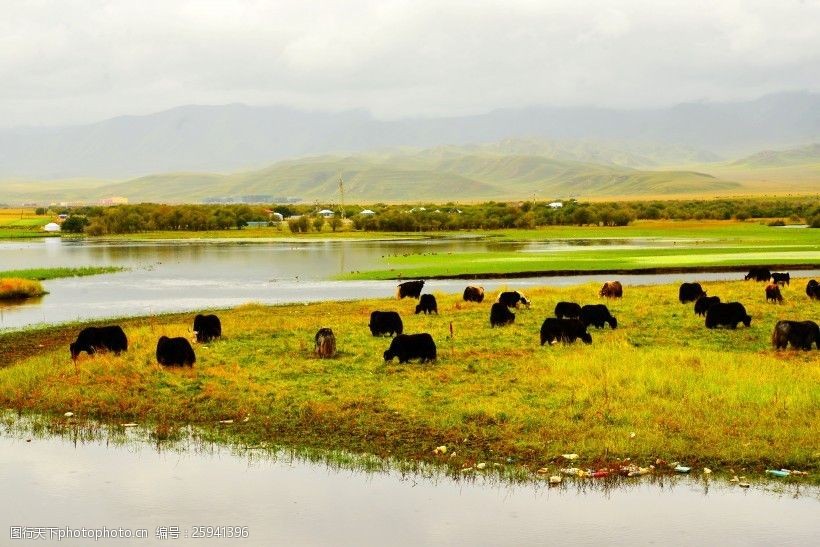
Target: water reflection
point(285, 498)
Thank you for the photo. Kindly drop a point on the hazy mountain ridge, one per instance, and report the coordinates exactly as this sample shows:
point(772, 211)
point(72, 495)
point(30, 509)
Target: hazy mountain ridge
point(237, 137)
point(804, 155)
point(448, 173)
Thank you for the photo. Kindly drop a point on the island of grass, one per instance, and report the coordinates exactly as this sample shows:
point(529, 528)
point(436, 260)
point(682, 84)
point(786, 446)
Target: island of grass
point(44, 274)
point(659, 386)
point(14, 288)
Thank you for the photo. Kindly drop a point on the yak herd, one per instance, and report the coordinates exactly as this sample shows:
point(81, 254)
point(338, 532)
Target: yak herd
point(570, 323)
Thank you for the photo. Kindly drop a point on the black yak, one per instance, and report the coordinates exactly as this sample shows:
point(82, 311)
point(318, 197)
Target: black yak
point(411, 346)
point(427, 304)
point(813, 289)
point(690, 292)
point(773, 293)
point(175, 352)
point(411, 289)
point(758, 274)
point(800, 334)
point(597, 315)
point(207, 327)
point(781, 278)
point(512, 299)
point(500, 315)
point(563, 330)
point(385, 322)
point(729, 315)
point(94, 339)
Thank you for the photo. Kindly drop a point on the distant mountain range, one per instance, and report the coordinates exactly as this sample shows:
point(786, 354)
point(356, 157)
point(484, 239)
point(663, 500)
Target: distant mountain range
point(498, 171)
point(804, 155)
point(237, 137)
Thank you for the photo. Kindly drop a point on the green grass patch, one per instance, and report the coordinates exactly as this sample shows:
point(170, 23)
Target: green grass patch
point(43, 274)
point(572, 260)
point(721, 398)
point(674, 246)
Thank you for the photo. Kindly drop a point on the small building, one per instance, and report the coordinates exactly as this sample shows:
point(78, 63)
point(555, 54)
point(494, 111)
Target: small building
point(62, 216)
point(52, 227)
point(367, 213)
point(556, 205)
point(327, 213)
point(277, 217)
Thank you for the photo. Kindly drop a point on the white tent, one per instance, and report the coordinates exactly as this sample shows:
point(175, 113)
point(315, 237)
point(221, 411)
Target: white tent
point(52, 227)
point(368, 213)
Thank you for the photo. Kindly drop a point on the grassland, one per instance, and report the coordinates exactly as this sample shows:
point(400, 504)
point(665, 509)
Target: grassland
point(678, 246)
point(22, 223)
point(44, 274)
point(659, 386)
point(16, 289)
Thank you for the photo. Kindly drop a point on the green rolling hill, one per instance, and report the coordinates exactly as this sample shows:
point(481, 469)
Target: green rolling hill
point(804, 155)
point(445, 174)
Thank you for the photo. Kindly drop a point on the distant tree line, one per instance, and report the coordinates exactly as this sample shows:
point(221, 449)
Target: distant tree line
point(125, 219)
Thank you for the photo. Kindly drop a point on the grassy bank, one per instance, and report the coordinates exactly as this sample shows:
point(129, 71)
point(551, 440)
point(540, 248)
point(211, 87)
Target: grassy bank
point(719, 398)
point(573, 261)
point(44, 274)
point(15, 289)
point(658, 246)
point(22, 223)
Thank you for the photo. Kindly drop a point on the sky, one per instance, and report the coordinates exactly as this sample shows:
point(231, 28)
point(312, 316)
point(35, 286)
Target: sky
point(75, 62)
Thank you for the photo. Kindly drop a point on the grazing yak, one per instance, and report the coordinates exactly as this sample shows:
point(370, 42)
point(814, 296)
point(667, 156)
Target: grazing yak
point(781, 278)
point(597, 315)
point(690, 292)
point(813, 289)
point(512, 299)
point(758, 274)
point(800, 334)
point(94, 339)
point(411, 346)
point(325, 343)
point(474, 294)
point(773, 293)
point(568, 310)
point(409, 289)
point(500, 315)
point(207, 327)
point(703, 304)
point(175, 352)
point(728, 314)
point(612, 289)
point(563, 330)
point(385, 322)
point(427, 304)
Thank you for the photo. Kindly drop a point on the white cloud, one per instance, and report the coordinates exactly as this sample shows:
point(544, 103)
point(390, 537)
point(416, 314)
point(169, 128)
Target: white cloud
point(82, 61)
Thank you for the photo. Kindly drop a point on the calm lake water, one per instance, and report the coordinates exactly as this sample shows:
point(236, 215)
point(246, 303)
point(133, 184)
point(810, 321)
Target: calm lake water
point(284, 501)
point(186, 275)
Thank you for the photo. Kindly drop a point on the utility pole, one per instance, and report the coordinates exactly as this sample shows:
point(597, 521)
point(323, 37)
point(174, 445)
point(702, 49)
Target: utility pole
point(342, 195)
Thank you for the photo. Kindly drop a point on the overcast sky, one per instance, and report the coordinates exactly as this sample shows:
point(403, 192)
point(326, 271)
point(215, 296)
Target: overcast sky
point(81, 61)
